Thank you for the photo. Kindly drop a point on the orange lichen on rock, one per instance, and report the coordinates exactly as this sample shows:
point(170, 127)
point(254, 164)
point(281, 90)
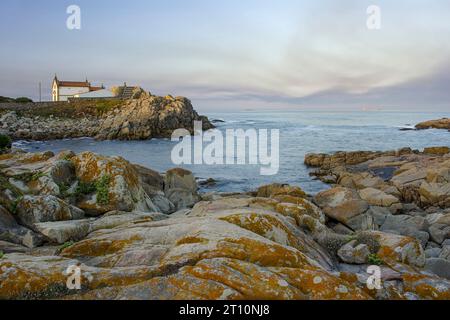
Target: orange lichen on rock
point(426, 287)
point(268, 226)
point(277, 189)
point(98, 247)
point(318, 284)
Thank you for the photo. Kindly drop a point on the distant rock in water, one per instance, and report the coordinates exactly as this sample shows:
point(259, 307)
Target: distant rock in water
point(443, 123)
point(143, 117)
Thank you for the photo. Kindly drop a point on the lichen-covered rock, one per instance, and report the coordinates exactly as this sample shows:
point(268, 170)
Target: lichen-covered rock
point(377, 197)
point(354, 253)
point(277, 189)
point(121, 188)
point(74, 230)
point(11, 231)
point(341, 204)
point(23, 276)
point(149, 117)
point(180, 188)
point(36, 209)
point(398, 248)
point(443, 123)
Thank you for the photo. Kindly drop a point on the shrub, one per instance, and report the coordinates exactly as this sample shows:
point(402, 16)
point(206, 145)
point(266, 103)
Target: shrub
point(103, 106)
point(85, 188)
point(23, 100)
point(15, 203)
point(6, 99)
point(102, 187)
point(66, 245)
point(374, 259)
point(5, 142)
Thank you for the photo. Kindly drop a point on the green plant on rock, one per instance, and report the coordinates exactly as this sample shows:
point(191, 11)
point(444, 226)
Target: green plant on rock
point(37, 176)
point(14, 204)
point(103, 106)
point(63, 189)
point(1, 254)
point(102, 188)
point(85, 188)
point(23, 100)
point(66, 245)
point(30, 176)
point(67, 157)
point(374, 259)
point(5, 142)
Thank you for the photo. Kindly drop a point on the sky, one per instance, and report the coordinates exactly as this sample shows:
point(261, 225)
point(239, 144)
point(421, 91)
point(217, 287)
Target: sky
point(236, 54)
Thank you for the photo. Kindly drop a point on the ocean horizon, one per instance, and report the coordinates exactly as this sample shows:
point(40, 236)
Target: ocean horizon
point(301, 132)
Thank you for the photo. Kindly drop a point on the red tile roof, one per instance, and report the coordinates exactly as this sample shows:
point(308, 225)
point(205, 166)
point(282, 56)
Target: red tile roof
point(73, 84)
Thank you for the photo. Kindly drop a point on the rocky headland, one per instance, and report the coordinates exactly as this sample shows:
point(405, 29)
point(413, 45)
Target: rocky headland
point(443, 123)
point(137, 234)
point(142, 117)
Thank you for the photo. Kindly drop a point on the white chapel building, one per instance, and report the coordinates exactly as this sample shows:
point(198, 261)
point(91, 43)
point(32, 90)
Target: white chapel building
point(63, 90)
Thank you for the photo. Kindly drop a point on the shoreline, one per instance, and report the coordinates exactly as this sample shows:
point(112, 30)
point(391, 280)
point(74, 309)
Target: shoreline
point(112, 214)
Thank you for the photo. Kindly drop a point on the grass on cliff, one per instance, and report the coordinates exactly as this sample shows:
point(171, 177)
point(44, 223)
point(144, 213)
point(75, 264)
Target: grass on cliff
point(74, 109)
point(17, 100)
point(1, 254)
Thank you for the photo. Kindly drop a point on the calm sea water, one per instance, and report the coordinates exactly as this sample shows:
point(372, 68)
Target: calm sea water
point(300, 132)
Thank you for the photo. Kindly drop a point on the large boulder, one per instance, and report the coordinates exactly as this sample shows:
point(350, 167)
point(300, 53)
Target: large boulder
point(435, 194)
point(11, 231)
point(341, 204)
point(180, 188)
point(36, 209)
point(116, 185)
point(416, 227)
point(377, 197)
point(277, 189)
point(399, 248)
point(438, 266)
